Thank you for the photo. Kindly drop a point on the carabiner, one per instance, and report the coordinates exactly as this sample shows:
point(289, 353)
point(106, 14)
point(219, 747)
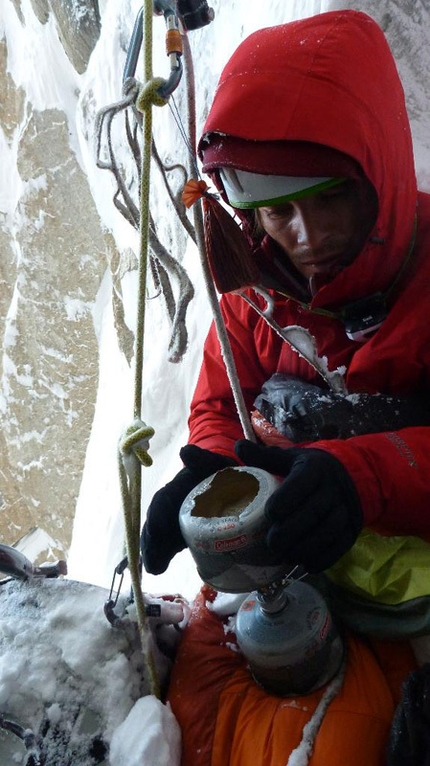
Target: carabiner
point(173, 48)
point(134, 47)
point(299, 338)
point(151, 610)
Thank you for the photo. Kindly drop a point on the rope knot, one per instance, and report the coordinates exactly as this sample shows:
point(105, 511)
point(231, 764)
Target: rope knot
point(136, 440)
point(149, 95)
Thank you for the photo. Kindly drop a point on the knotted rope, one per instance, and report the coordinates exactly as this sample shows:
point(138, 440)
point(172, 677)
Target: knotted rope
point(150, 95)
point(134, 446)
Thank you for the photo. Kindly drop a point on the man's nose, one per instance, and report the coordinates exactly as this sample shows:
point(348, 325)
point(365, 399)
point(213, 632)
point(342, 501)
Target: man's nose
point(310, 229)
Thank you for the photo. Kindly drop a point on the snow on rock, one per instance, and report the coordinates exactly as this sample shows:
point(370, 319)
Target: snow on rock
point(50, 270)
point(149, 735)
point(70, 677)
point(78, 24)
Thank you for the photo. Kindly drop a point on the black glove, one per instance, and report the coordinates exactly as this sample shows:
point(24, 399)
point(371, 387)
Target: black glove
point(409, 742)
point(315, 515)
point(304, 412)
point(161, 536)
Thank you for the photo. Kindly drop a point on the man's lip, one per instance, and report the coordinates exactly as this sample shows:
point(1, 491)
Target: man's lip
point(326, 261)
point(322, 267)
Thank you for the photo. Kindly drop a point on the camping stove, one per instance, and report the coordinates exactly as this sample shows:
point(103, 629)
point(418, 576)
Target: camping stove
point(283, 627)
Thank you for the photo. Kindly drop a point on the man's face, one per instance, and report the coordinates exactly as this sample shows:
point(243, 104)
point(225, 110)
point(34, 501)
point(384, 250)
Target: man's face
point(323, 233)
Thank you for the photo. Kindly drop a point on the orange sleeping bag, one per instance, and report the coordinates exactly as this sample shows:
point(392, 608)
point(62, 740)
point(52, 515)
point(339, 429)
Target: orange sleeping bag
point(228, 720)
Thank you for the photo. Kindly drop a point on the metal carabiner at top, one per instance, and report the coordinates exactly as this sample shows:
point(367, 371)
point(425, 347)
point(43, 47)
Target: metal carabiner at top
point(192, 14)
point(173, 47)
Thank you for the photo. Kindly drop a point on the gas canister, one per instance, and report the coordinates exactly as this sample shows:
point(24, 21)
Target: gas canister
point(289, 639)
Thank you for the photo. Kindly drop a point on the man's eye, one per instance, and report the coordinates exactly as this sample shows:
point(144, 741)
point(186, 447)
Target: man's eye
point(278, 212)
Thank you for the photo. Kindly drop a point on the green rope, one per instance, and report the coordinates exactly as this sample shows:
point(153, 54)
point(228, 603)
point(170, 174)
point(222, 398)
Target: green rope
point(133, 448)
point(144, 206)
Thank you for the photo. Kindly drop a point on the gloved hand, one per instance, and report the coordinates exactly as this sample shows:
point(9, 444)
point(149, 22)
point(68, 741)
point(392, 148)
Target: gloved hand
point(315, 516)
point(161, 537)
point(304, 412)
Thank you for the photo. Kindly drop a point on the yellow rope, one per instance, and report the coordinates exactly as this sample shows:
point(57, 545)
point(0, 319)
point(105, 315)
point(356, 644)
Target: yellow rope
point(133, 448)
point(149, 95)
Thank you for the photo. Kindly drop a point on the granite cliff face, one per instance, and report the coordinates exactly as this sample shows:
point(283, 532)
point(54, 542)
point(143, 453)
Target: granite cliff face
point(53, 256)
point(61, 264)
point(77, 22)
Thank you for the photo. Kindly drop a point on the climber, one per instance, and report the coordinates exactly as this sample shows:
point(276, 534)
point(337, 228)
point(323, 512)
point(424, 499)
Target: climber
point(308, 141)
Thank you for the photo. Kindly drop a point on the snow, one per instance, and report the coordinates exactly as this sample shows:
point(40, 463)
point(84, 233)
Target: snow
point(162, 740)
point(301, 754)
point(45, 651)
point(65, 670)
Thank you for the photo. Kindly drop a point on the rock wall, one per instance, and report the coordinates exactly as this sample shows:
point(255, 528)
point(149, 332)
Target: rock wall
point(53, 256)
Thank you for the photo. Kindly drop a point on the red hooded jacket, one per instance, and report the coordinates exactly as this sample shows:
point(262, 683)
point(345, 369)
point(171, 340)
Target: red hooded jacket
point(338, 86)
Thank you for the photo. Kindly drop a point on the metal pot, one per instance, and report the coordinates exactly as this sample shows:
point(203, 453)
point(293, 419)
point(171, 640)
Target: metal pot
point(223, 523)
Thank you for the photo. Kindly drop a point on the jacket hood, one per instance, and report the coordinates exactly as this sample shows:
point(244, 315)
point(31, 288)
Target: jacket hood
point(330, 80)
